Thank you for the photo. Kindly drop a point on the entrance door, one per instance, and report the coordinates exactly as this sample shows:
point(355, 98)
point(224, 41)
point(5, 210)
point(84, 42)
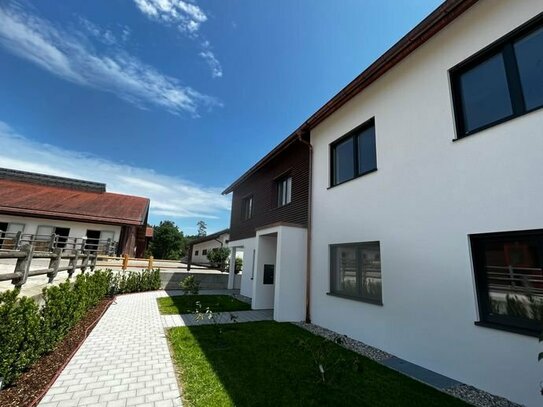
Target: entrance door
point(63, 234)
point(93, 238)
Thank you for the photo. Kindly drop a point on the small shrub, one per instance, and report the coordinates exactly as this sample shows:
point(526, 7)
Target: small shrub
point(190, 285)
point(135, 281)
point(218, 256)
point(239, 265)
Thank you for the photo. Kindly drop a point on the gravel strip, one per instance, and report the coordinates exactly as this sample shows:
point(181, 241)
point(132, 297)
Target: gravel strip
point(356, 346)
point(464, 392)
point(478, 397)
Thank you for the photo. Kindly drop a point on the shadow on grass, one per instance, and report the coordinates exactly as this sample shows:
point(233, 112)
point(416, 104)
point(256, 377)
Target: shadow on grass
point(270, 363)
point(185, 304)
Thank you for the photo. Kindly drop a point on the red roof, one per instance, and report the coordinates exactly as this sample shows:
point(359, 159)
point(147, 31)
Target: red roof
point(23, 198)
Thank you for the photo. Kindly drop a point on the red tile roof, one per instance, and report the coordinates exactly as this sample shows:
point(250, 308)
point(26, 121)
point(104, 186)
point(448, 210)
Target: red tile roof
point(23, 198)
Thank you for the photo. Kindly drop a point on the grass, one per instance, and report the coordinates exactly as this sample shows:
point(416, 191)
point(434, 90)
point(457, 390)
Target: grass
point(185, 304)
point(276, 364)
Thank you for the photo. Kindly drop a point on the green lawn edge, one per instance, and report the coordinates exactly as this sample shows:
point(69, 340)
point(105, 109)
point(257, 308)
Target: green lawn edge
point(186, 304)
point(269, 363)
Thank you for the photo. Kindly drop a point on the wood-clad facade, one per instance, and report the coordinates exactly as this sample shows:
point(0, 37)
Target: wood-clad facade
point(262, 186)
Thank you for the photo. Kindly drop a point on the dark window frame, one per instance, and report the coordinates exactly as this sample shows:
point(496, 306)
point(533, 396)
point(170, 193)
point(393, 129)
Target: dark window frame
point(278, 182)
point(354, 135)
point(333, 272)
point(501, 322)
point(204, 252)
point(504, 46)
point(196, 252)
point(244, 215)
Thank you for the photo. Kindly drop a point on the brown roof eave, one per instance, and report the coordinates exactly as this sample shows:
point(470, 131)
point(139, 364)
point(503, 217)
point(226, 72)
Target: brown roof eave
point(448, 11)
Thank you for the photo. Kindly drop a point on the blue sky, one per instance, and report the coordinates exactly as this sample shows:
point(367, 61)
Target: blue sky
point(175, 99)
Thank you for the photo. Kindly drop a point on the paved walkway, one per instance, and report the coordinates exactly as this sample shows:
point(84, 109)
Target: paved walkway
point(125, 361)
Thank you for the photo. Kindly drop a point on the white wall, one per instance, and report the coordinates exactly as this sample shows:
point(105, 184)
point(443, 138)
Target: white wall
point(290, 278)
point(425, 199)
point(266, 253)
point(77, 229)
point(208, 245)
point(247, 247)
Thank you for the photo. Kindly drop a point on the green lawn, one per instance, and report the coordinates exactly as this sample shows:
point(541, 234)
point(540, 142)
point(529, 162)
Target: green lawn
point(186, 304)
point(276, 364)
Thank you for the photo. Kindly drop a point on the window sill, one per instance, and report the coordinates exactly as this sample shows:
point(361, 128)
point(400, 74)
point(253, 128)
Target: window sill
point(507, 328)
point(354, 298)
point(352, 179)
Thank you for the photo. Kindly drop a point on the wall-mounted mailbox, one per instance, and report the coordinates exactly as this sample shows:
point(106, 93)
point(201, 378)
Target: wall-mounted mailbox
point(269, 271)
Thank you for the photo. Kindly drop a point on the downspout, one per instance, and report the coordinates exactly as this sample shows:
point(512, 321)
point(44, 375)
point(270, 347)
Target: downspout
point(308, 249)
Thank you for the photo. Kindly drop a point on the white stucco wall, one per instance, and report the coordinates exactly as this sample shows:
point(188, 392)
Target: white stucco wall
point(428, 195)
point(77, 229)
point(208, 245)
point(289, 301)
point(266, 253)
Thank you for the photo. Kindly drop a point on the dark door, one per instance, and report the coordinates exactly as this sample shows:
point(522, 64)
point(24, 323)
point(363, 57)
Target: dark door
point(63, 234)
point(93, 238)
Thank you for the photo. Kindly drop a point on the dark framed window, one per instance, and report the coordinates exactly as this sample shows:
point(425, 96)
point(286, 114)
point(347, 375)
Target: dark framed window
point(204, 252)
point(196, 252)
point(355, 271)
point(509, 279)
point(503, 81)
point(354, 154)
point(284, 191)
point(247, 208)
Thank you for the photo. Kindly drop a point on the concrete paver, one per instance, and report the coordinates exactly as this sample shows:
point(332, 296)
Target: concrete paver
point(125, 361)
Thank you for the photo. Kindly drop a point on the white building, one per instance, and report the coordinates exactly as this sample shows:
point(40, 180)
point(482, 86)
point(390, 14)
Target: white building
point(39, 205)
point(425, 228)
point(199, 248)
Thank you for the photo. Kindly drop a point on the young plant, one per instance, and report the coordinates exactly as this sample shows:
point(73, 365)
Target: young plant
point(190, 285)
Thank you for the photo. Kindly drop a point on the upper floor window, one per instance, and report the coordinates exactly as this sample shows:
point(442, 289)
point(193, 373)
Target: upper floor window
point(354, 154)
point(196, 252)
point(247, 208)
point(284, 191)
point(509, 277)
point(204, 252)
point(502, 82)
point(355, 271)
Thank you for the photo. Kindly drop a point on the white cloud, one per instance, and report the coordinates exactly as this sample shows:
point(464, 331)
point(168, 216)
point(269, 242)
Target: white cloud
point(171, 197)
point(70, 56)
point(186, 16)
point(212, 61)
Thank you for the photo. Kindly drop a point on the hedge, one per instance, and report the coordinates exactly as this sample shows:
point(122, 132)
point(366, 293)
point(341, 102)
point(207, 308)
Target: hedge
point(27, 331)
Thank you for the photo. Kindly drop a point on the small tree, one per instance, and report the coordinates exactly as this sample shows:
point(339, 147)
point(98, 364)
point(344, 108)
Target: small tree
point(217, 257)
point(202, 228)
point(168, 241)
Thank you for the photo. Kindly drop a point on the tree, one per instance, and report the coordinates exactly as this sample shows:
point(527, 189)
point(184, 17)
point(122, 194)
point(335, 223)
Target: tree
point(217, 257)
point(168, 241)
point(202, 228)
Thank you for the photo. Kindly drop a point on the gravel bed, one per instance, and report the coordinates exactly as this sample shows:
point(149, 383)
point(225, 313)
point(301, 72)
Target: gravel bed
point(356, 346)
point(478, 397)
point(469, 394)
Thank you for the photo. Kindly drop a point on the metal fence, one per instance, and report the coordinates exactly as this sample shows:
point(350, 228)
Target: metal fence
point(81, 254)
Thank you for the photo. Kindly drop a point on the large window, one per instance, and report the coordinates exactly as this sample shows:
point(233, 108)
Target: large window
point(247, 208)
point(284, 191)
point(355, 271)
point(354, 154)
point(502, 82)
point(509, 278)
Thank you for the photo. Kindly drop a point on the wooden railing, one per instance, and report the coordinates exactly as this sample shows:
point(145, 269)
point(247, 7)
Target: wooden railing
point(26, 254)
